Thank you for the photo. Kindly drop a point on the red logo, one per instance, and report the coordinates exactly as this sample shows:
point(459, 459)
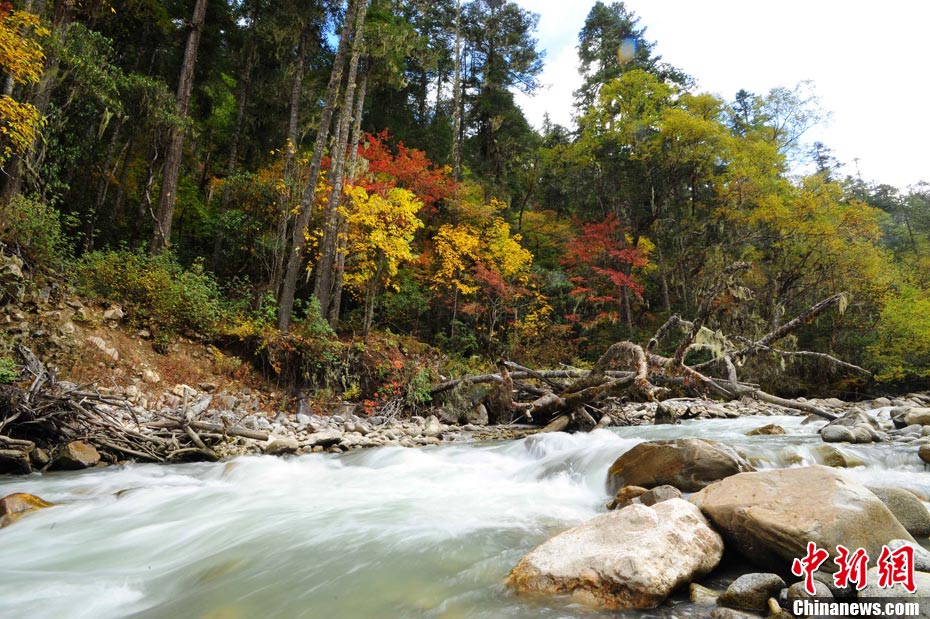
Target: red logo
point(894, 567)
point(808, 565)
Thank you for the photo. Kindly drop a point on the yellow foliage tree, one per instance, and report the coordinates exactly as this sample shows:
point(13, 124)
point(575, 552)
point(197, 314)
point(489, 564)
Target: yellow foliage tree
point(21, 58)
point(380, 237)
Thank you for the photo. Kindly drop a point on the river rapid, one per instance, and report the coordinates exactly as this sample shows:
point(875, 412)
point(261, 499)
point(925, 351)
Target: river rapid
point(380, 533)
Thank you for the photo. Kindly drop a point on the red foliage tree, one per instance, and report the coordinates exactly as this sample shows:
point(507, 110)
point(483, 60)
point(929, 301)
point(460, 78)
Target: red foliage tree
point(600, 263)
point(407, 168)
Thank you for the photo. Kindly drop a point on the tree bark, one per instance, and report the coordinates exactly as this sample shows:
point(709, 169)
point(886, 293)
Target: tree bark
point(298, 243)
point(354, 139)
point(457, 98)
point(161, 234)
point(323, 284)
point(290, 168)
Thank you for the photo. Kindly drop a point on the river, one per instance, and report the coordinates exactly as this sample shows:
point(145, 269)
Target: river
point(382, 533)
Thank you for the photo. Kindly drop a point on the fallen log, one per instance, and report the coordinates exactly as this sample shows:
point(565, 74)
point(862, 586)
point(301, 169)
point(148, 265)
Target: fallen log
point(628, 369)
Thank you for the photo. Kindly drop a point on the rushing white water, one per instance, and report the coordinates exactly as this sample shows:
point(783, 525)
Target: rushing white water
point(383, 533)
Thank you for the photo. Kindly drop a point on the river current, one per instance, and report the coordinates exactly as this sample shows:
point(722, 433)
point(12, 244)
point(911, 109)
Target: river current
point(387, 533)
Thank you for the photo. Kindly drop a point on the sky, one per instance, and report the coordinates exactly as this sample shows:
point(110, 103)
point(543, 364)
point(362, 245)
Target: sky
point(868, 63)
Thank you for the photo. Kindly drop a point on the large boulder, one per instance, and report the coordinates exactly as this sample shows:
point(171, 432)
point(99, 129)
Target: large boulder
point(907, 508)
point(770, 516)
point(630, 558)
point(689, 464)
point(920, 416)
point(77, 455)
point(16, 505)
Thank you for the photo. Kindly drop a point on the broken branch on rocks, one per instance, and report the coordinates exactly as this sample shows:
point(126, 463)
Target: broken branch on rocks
point(563, 399)
point(41, 422)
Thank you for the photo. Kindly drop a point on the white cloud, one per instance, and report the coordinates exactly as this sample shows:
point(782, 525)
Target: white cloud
point(868, 63)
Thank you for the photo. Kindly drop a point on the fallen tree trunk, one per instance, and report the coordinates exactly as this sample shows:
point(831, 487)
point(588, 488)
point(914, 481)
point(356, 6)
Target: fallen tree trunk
point(630, 370)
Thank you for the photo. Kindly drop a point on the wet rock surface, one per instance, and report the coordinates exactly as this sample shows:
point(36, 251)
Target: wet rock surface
point(630, 558)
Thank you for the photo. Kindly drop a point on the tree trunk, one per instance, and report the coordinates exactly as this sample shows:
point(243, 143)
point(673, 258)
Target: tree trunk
point(161, 234)
point(298, 243)
point(354, 139)
point(323, 285)
point(457, 98)
point(290, 168)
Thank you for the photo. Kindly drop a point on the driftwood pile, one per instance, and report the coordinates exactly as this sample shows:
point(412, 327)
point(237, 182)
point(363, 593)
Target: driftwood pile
point(39, 420)
point(576, 399)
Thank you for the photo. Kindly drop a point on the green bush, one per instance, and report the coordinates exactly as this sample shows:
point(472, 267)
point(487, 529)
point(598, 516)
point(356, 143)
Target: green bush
point(154, 291)
point(9, 370)
point(902, 336)
point(35, 228)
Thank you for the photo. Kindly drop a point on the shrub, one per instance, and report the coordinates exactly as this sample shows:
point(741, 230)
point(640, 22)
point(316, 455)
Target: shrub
point(9, 370)
point(35, 228)
point(155, 291)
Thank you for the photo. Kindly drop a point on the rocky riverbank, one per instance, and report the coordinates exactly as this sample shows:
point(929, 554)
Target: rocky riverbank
point(722, 506)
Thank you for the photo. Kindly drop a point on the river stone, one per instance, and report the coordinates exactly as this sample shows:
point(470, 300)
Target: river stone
point(630, 558)
point(279, 445)
point(659, 494)
point(626, 496)
point(665, 415)
point(797, 591)
point(323, 438)
point(854, 418)
point(77, 455)
point(699, 594)
point(863, 434)
point(907, 508)
point(924, 453)
point(837, 434)
point(13, 506)
point(689, 464)
point(729, 613)
point(477, 415)
point(769, 430)
point(920, 416)
point(751, 591)
point(770, 516)
point(921, 581)
point(921, 554)
point(433, 428)
point(831, 456)
point(39, 457)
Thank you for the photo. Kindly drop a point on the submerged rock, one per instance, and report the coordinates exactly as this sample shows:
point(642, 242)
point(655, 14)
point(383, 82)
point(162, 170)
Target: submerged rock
point(13, 506)
point(689, 464)
point(770, 516)
point(769, 430)
point(631, 558)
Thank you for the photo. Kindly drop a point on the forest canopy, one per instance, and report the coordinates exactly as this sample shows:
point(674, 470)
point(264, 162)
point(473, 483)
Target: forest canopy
point(331, 169)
